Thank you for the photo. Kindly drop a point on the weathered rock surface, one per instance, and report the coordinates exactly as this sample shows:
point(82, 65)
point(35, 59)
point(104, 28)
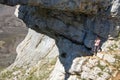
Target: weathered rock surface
point(68, 29)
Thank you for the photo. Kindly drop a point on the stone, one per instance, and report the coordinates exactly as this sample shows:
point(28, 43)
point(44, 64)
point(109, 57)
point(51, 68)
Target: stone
point(110, 59)
point(100, 55)
point(67, 29)
point(76, 67)
point(97, 70)
point(100, 78)
point(102, 63)
point(105, 75)
point(107, 70)
point(84, 75)
point(115, 10)
point(85, 68)
point(93, 61)
point(16, 73)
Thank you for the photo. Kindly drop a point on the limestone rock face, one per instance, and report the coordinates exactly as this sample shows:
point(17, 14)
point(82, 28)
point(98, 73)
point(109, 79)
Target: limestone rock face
point(67, 29)
point(95, 68)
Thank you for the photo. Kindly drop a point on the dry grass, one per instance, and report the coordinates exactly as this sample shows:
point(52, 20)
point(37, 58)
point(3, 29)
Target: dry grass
point(2, 44)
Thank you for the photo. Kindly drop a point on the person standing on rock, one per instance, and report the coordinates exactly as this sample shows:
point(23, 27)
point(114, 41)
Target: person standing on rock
point(97, 45)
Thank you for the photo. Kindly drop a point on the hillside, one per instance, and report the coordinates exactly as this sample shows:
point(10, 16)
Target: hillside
point(61, 39)
point(12, 32)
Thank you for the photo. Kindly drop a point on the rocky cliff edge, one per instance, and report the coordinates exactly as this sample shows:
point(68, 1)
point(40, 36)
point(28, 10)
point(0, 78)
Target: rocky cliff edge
point(61, 37)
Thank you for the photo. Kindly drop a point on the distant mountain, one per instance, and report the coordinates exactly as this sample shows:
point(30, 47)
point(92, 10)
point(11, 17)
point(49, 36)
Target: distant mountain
point(12, 32)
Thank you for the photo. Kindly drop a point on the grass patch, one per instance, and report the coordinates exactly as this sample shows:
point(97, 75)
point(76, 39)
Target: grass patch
point(46, 69)
point(2, 44)
point(118, 37)
point(117, 62)
point(32, 77)
point(100, 74)
point(7, 74)
point(113, 47)
point(100, 66)
point(1, 68)
point(41, 71)
point(83, 79)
